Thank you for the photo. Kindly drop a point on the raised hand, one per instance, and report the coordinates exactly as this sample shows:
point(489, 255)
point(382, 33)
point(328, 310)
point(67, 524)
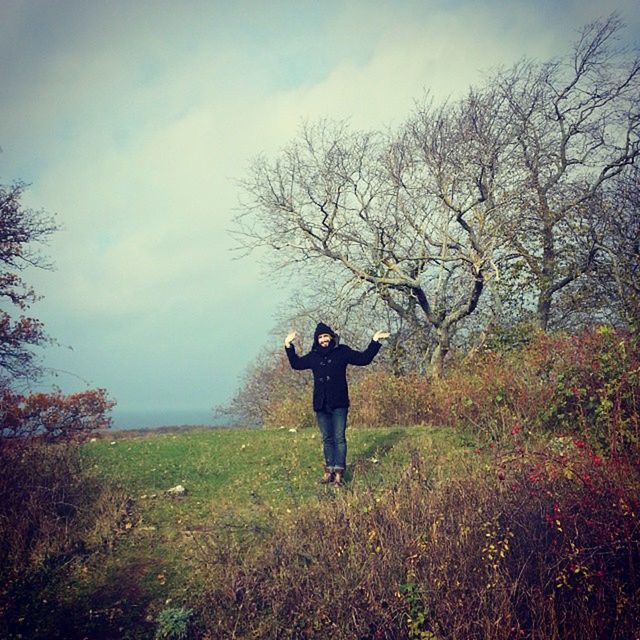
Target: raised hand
point(380, 335)
point(291, 336)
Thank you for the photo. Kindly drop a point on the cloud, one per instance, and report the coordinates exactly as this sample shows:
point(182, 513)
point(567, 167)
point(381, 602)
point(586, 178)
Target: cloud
point(443, 53)
point(133, 121)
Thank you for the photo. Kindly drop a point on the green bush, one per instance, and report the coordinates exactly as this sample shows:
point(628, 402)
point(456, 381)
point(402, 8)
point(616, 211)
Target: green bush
point(597, 388)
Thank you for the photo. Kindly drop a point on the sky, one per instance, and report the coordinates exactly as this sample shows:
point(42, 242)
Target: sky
point(133, 122)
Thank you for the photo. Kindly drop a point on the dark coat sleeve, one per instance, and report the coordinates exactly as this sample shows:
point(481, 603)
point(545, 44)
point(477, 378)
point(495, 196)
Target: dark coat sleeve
point(365, 357)
point(296, 361)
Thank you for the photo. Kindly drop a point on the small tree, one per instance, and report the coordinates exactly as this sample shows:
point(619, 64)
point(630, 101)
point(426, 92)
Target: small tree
point(21, 231)
point(48, 416)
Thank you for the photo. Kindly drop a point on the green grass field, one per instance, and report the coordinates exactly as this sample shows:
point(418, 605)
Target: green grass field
point(237, 482)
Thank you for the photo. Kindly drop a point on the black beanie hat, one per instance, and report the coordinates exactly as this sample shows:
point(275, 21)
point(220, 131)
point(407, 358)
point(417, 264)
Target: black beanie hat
point(323, 328)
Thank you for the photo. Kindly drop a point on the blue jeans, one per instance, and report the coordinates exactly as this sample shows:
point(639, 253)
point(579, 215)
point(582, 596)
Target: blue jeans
point(333, 425)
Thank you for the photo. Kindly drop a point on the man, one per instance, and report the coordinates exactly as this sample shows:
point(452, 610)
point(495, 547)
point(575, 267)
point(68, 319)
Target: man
point(328, 361)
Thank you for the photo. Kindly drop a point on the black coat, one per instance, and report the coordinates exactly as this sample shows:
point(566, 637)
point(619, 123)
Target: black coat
point(329, 368)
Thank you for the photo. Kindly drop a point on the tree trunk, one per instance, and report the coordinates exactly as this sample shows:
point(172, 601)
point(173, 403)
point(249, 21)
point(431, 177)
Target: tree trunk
point(548, 270)
point(544, 309)
point(441, 351)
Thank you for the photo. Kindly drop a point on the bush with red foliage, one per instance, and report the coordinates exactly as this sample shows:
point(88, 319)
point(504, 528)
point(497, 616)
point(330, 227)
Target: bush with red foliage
point(54, 417)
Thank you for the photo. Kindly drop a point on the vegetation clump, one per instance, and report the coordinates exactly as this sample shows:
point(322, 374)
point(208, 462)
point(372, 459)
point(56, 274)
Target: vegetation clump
point(535, 543)
point(174, 623)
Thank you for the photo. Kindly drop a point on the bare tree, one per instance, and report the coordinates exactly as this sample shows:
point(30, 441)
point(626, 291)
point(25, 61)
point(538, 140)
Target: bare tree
point(499, 190)
point(449, 175)
point(370, 208)
point(577, 125)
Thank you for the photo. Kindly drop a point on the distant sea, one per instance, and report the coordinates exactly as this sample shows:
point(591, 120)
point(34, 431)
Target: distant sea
point(150, 418)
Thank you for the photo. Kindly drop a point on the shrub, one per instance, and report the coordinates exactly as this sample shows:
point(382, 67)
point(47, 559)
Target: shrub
point(586, 384)
point(290, 408)
point(53, 416)
point(381, 399)
point(491, 394)
point(541, 544)
point(51, 514)
point(49, 507)
point(596, 381)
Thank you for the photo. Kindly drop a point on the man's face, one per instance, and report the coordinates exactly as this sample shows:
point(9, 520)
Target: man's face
point(324, 339)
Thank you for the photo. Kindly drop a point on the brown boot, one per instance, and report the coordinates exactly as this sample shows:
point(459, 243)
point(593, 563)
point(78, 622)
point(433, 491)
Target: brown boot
point(338, 477)
point(327, 477)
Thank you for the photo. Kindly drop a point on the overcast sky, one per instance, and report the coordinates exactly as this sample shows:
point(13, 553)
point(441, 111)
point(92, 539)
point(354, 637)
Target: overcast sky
point(132, 121)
